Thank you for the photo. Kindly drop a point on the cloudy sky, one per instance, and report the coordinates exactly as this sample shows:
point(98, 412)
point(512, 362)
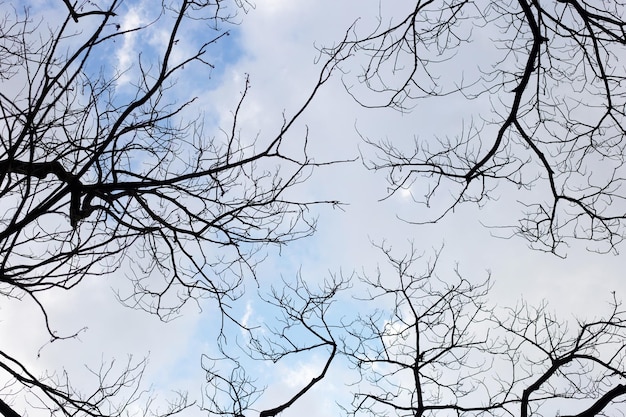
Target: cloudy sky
point(277, 44)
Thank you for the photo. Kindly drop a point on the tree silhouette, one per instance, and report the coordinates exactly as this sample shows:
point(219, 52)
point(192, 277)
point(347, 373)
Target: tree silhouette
point(304, 327)
point(111, 169)
point(425, 343)
point(440, 349)
point(425, 353)
point(549, 86)
point(106, 169)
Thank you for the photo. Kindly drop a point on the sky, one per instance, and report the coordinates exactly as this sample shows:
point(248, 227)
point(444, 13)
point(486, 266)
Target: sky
point(276, 44)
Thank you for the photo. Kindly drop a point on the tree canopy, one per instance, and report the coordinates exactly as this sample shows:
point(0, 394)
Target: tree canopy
point(123, 158)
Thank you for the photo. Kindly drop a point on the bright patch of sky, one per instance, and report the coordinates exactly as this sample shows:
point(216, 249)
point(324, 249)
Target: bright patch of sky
point(222, 48)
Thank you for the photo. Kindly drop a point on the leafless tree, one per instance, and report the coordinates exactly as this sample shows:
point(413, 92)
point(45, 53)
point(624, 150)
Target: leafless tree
point(105, 169)
point(555, 127)
point(425, 349)
point(116, 390)
point(108, 169)
point(549, 78)
point(565, 368)
point(303, 327)
point(435, 348)
point(421, 343)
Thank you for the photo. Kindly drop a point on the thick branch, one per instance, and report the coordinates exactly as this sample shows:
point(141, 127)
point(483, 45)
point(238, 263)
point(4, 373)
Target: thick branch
point(36, 169)
point(599, 405)
point(7, 411)
point(277, 410)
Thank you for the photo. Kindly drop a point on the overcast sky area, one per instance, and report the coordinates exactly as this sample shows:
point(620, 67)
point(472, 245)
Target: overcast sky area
point(276, 44)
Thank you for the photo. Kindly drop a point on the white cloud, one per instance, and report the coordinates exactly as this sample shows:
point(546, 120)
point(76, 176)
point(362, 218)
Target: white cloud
point(278, 40)
point(127, 54)
point(300, 374)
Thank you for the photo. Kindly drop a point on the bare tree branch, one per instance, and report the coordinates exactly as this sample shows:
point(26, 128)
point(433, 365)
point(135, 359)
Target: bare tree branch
point(549, 91)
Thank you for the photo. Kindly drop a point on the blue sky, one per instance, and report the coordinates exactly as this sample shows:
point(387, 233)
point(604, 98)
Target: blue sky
point(275, 44)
